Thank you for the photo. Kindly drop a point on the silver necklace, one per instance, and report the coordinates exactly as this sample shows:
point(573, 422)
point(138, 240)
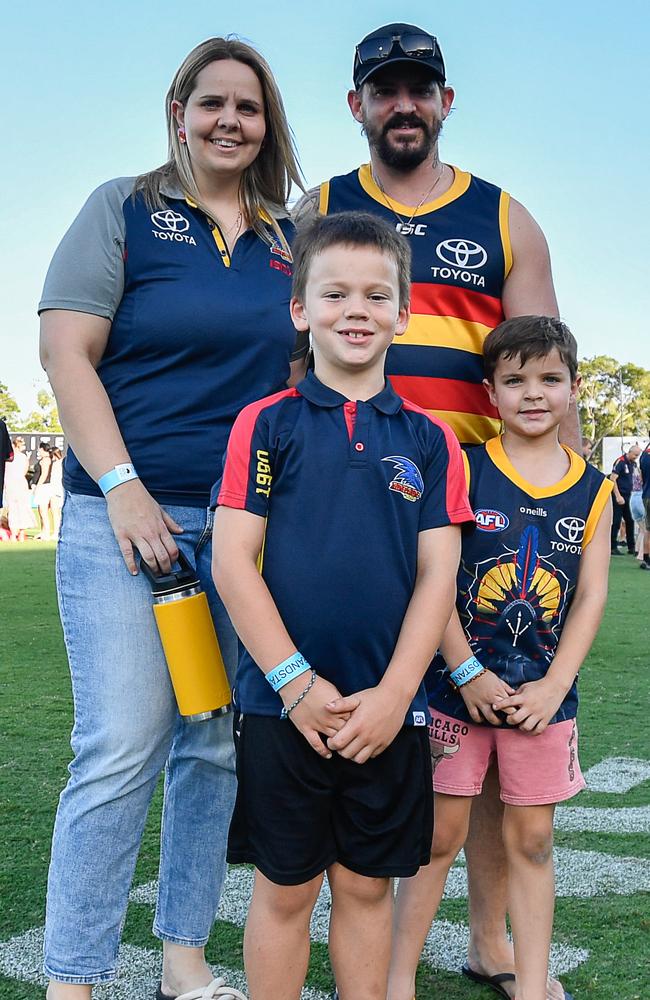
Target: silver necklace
point(235, 226)
point(425, 196)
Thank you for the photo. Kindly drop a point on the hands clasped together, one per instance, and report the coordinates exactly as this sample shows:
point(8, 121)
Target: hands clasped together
point(356, 727)
point(530, 707)
point(362, 725)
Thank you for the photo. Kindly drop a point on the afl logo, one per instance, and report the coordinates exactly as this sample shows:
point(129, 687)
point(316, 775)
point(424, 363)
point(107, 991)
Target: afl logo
point(491, 520)
point(171, 222)
point(570, 529)
point(462, 253)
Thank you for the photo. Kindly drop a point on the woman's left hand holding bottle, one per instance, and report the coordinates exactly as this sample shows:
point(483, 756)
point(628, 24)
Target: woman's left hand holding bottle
point(139, 521)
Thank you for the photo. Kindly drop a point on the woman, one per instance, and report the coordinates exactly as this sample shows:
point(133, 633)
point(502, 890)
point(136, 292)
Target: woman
point(56, 483)
point(165, 311)
point(637, 510)
point(43, 488)
point(17, 496)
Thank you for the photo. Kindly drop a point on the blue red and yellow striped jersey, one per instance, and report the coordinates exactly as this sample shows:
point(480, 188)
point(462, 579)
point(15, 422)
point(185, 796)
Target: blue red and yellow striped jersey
point(519, 569)
point(345, 487)
point(461, 252)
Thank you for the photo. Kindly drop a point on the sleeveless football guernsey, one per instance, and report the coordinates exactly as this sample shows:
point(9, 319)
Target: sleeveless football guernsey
point(519, 569)
point(461, 257)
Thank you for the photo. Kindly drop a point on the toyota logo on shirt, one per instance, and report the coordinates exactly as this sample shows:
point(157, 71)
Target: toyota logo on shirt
point(462, 253)
point(172, 226)
point(171, 222)
point(570, 529)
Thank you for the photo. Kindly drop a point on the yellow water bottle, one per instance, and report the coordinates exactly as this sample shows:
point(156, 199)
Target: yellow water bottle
point(196, 667)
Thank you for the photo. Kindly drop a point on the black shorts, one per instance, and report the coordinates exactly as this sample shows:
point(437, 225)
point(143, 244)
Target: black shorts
point(297, 813)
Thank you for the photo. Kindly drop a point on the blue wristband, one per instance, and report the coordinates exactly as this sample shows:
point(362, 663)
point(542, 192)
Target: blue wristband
point(466, 671)
point(292, 667)
point(115, 477)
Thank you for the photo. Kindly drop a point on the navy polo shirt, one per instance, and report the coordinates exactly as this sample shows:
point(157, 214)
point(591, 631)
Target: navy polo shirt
point(624, 469)
point(345, 487)
point(196, 333)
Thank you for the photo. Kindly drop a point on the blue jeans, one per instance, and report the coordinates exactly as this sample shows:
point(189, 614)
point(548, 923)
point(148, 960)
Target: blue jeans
point(126, 729)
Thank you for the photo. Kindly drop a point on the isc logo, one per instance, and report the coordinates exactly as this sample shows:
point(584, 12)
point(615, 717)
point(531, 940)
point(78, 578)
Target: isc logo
point(491, 520)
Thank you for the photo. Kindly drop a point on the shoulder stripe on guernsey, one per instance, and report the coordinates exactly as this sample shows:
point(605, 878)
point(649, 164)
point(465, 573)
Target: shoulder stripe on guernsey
point(597, 507)
point(324, 198)
point(504, 228)
point(234, 485)
point(456, 501)
point(461, 303)
point(446, 393)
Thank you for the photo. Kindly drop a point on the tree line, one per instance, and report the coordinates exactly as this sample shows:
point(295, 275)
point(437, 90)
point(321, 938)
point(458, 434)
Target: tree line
point(43, 419)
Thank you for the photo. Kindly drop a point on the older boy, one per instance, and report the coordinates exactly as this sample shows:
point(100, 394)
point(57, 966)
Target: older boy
point(354, 497)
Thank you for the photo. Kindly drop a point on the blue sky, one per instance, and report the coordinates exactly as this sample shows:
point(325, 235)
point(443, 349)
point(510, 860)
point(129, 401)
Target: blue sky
point(551, 104)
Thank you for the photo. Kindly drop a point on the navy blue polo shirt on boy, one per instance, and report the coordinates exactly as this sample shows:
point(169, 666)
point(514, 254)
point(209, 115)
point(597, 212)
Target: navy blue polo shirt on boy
point(345, 487)
point(196, 333)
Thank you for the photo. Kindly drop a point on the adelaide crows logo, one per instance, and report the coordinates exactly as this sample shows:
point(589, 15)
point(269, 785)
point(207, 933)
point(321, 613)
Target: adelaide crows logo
point(408, 481)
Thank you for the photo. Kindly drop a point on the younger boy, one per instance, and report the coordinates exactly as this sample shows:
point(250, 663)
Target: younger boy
point(532, 587)
point(353, 498)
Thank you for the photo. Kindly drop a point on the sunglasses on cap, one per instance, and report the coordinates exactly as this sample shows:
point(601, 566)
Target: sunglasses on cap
point(415, 45)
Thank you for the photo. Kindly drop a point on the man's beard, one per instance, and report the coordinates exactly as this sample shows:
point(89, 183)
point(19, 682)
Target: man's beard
point(403, 156)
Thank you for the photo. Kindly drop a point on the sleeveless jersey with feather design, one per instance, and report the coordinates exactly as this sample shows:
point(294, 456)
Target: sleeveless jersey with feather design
point(519, 569)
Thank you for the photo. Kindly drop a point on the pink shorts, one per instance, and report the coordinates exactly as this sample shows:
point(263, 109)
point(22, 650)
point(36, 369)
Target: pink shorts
point(533, 770)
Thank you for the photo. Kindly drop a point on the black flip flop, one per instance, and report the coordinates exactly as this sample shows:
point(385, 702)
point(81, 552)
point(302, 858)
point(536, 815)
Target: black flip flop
point(162, 996)
point(494, 982)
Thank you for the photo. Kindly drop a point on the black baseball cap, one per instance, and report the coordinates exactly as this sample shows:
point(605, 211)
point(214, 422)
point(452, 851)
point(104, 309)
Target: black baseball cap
point(395, 43)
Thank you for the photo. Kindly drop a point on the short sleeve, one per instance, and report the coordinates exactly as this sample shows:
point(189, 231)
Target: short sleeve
point(87, 271)
point(445, 499)
point(247, 474)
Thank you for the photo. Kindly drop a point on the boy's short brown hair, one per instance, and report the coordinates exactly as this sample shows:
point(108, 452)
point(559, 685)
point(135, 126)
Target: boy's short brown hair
point(352, 229)
point(529, 337)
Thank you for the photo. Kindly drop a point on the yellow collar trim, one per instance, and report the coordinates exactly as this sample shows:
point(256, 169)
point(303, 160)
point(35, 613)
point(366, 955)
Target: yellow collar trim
point(577, 465)
point(458, 187)
point(264, 216)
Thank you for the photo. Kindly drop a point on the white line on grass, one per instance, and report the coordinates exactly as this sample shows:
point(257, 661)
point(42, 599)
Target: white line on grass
point(633, 819)
point(617, 774)
point(21, 958)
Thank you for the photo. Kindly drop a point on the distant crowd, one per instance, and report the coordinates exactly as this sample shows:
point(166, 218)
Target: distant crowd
point(31, 489)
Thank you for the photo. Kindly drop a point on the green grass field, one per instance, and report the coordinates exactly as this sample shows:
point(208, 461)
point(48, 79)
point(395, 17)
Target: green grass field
point(35, 718)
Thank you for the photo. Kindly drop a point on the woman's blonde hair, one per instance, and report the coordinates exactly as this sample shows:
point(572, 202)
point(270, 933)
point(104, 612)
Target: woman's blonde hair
point(266, 183)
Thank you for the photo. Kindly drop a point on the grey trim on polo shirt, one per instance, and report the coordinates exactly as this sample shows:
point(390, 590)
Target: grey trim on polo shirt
point(87, 271)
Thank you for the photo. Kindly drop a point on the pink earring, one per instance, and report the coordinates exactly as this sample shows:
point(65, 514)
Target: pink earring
point(182, 137)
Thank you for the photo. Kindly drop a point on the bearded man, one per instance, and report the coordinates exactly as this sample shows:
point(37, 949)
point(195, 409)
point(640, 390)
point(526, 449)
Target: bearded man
point(478, 257)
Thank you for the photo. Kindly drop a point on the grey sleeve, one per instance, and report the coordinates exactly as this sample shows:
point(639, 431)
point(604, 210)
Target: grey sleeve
point(307, 208)
point(87, 271)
